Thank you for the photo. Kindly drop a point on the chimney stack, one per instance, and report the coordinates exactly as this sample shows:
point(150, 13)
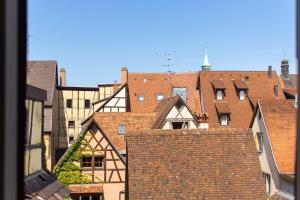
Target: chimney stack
point(124, 75)
point(62, 77)
point(116, 86)
point(270, 71)
point(285, 68)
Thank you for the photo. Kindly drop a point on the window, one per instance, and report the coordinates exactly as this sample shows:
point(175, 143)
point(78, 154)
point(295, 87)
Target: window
point(181, 91)
point(159, 97)
point(259, 115)
point(122, 129)
point(276, 90)
point(177, 125)
point(71, 124)
point(219, 94)
point(186, 125)
point(98, 160)
point(71, 139)
point(260, 141)
point(87, 103)
point(69, 103)
point(224, 120)
point(86, 161)
point(141, 98)
point(267, 183)
point(242, 95)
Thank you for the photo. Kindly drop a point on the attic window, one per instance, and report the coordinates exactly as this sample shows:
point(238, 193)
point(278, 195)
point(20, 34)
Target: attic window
point(69, 103)
point(121, 129)
point(242, 95)
point(259, 115)
point(141, 98)
point(159, 97)
point(87, 103)
point(180, 125)
point(241, 89)
point(219, 95)
point(276, 90)
point(224, 119)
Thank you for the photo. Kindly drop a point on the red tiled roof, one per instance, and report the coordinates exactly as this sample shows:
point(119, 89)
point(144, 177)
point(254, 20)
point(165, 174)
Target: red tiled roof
point(85, 188)
point(218, 84)
point(259, 86)
point(222, 108)
point(151, 84)
point(109, 123)
point(240, 84)
point(290, 91)
point(280, 120)
point(194, 164)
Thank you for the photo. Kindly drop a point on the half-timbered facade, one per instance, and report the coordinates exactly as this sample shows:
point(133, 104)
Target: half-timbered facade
point(174, 114)
point(99, 163)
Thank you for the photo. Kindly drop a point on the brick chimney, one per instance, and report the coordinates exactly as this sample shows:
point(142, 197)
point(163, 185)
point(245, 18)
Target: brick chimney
point(285, 68)
point(124, 75)
point(270, 71)
point(62, 77)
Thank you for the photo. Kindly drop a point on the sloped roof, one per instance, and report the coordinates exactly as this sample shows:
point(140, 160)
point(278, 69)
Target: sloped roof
point(259, 86)
point(151, 84)
point(85, 188)
point(290, 82)
point(280, 120)
point(222, 108)
point(290, 91)
point(44, 185)
point(193, 164)
point(109, 123)
point(240, 84)
point(218, 84)
point(43, 74)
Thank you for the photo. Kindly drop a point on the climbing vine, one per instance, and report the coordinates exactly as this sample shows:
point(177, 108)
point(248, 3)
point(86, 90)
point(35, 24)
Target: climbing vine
point(66, 170)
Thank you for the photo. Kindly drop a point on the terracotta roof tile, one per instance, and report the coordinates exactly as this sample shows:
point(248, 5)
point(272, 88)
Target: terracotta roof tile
point(85, 188)
point(259, 84)
point(110, 122)
point(222, 108)
point(194, 164)
point(280, 120)
point(151, 84)
point(240, 84)
point(218, 84)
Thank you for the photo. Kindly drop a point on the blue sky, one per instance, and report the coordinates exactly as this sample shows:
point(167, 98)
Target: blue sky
point(93, 39)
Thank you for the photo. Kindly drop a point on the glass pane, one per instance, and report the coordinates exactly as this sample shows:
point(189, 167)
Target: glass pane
point(180, 91)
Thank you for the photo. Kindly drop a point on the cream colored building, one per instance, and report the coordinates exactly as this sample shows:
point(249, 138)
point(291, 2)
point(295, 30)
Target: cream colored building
point(75, 104)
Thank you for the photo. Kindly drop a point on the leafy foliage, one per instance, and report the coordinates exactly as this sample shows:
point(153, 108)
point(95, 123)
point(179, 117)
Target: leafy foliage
point(66, 170)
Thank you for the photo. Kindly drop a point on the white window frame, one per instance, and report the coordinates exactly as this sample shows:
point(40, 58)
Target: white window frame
point(242, 95)
point(219, 95)
point(224, 119)
point(122, 129)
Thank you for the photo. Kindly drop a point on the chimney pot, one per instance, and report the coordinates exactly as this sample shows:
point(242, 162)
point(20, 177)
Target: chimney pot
point(62, 77)
point(124, 75)
point(270, 71)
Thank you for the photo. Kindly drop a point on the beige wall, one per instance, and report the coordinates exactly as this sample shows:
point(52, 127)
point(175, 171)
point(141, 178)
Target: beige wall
point(77, 113)
point(33, 145)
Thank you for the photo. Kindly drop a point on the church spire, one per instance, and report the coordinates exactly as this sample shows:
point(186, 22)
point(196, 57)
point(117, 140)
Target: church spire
point(206, 65)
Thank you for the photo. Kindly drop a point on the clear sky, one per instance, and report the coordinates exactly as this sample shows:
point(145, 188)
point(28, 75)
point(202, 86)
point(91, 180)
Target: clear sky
point(93, 39)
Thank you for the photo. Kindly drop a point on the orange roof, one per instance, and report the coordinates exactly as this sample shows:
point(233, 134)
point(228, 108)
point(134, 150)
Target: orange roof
point(280, 120)
point(151, 84)
point(109, 123)
point(290, 91)
point(259, 86)
point(85, 188)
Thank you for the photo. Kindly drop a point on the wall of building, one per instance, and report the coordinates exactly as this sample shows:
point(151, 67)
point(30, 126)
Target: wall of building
point(33, 144)
point(77, 113)
point(266, 159)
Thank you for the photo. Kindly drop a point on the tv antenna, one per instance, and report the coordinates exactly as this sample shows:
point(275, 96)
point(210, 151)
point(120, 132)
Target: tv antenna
point(168, 56)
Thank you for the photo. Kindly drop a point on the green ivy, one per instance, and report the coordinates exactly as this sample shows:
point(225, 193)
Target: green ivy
point(66, 171)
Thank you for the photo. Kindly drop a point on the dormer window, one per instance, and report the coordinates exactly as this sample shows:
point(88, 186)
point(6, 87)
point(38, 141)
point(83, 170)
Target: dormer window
point(224, 119)
point(159, 97)
point(242, 95)
point(259, 136)
point(241, 89)
point(219, 95)
point(181, 91)
point(219, 89)
point(223, 112)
